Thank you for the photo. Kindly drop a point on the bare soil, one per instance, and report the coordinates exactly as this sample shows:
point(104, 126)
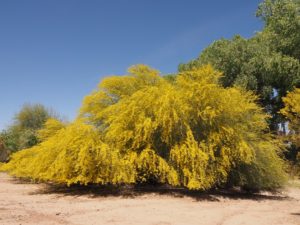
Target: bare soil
point(27, 203)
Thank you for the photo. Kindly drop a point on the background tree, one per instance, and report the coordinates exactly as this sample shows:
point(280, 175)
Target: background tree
point(23, 132)
point(267, 64)
point(282, 25)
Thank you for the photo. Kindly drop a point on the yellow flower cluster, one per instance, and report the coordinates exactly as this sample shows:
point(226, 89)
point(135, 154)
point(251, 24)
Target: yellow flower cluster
point(140, 127)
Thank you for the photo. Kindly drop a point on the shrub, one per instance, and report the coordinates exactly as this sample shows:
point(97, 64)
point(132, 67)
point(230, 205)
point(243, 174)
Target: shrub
point(188, 132)
point(27, 122)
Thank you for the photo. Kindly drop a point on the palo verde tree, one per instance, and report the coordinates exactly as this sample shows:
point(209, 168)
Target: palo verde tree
point(292, 112)
point(186, 131)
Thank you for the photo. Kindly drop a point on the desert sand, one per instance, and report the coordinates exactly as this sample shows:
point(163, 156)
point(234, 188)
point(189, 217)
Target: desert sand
point(26, 203)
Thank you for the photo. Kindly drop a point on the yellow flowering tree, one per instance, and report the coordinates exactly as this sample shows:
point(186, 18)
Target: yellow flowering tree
point(292, 112)
point(188, 131)
point(50, 128)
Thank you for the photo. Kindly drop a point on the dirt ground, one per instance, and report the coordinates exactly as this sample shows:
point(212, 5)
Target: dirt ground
point(25, 203)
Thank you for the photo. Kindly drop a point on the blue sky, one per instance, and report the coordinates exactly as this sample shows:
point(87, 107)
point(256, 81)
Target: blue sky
point(55, 52)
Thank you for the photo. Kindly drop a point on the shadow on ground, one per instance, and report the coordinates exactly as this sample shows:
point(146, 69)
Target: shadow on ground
point(132, 191)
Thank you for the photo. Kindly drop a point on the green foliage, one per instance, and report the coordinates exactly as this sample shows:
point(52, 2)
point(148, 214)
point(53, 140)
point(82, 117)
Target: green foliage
point(10, 138)
point(170, 77)
point(32, 117)
point(137, 128)
point(267, 64)
point(252, 65)
point(282, 25)
point(23, 132)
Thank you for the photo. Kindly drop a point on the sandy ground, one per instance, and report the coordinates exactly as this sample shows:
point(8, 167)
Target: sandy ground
point(25, 203)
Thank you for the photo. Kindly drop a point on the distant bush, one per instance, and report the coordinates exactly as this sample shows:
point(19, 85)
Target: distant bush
point(23, 133)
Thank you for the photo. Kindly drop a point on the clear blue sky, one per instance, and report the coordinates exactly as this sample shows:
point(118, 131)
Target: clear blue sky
point(55, 52)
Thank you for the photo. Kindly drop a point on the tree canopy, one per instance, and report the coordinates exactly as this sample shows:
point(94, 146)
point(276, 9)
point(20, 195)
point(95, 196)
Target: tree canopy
point(267, 63)
point(282, 25)
point(23, 132)
point(140, 127)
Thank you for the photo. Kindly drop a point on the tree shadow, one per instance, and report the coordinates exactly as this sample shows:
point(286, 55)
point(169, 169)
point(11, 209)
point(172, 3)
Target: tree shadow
point(22, 180)
point(132, 191)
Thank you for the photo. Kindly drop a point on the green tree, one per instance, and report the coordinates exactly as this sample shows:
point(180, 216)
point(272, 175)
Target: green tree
point(267, 63)
point(282, 25)
point(23, 132)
